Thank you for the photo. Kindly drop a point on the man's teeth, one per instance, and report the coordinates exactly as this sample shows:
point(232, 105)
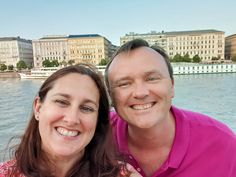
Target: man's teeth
point(142, 106)
point(66, 132)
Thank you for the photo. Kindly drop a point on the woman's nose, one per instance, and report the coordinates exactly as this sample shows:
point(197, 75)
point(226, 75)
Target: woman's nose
point(72, 116)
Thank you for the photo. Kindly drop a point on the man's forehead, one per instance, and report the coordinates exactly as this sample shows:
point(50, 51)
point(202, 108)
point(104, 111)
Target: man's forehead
point(140, 55)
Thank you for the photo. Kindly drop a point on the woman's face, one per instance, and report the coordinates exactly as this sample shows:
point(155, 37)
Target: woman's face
point(68, 116)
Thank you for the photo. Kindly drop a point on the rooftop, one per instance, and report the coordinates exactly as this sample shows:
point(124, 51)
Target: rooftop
point(15, 39)
point(84, 35)
point(193, 32)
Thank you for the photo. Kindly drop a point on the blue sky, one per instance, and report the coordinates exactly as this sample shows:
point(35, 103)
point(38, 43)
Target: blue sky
point(33, 19)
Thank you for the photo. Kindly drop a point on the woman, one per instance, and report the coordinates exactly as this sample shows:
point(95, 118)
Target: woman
point(68, 134)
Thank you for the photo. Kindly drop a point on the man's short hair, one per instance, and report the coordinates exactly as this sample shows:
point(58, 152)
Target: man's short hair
point(134, 44)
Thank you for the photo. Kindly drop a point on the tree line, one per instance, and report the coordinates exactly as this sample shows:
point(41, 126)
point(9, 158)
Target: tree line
point(186, 58)
point(19, 66)
point(55, 63)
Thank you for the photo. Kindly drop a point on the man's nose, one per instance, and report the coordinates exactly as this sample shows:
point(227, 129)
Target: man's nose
point(140, 90)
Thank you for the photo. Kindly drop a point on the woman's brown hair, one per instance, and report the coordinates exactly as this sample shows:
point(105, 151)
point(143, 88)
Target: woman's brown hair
point(100, 158)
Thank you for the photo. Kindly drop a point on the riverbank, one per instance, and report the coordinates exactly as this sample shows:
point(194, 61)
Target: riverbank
point(9, 74)
point(178, 69)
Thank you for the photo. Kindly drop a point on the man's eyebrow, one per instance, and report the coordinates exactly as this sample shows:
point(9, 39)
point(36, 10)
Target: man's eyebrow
point(154, 71)
point(120, 79)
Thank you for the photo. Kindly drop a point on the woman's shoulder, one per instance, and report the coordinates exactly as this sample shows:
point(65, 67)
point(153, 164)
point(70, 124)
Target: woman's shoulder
point(7, 168)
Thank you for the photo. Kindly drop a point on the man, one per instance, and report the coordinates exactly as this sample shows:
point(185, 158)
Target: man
point(159, 139)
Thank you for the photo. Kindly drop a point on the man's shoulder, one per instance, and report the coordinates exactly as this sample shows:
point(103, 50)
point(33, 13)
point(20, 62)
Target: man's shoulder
point(115, 118)
point(118, 124)
point(201, 123)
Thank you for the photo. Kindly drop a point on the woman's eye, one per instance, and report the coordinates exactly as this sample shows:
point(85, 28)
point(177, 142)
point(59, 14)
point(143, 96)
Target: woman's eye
point(62, 102)
point(87, 109)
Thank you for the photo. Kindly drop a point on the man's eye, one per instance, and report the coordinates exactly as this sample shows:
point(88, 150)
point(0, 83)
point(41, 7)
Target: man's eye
point(153, 78)
point(87, 109)
point(123, 84)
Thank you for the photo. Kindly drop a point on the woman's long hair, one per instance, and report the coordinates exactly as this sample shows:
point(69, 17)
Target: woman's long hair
point(100, 158)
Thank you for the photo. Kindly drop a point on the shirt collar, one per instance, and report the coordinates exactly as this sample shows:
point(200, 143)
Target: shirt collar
point(181, 140)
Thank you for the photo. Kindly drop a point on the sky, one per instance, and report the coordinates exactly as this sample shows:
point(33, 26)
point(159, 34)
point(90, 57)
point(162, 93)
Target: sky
point(33, 19)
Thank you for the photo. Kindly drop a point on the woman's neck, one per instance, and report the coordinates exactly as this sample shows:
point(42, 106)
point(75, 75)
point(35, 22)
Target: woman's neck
point(62, 164)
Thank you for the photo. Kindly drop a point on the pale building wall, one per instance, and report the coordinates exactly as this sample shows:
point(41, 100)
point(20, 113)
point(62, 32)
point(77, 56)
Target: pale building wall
point(13, 49)
point(51, 48)
point(230, 46)
point(26, 52)
point(152, 38)
point(89, 49)
point(205, 43)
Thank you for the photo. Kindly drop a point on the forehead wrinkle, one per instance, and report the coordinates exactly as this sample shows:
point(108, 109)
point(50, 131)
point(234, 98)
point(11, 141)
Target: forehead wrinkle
point(62, 94)
point(118, 79)
point(152, 71)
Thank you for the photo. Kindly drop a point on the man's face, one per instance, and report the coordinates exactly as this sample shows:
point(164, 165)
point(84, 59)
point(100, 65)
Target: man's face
point(141, 87)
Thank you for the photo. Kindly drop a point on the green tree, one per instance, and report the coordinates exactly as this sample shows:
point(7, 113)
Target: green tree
point(3, 67)
point(186, 58)
point(214, 58)
point(71, 62)
point(233, 58)
point(46, 63)
point(63, 63)
point(103, 62)
point(30, 66)
point(196, 59)
point(10, 67)
point(54, 63)
point(21, 65)
point(177, 58)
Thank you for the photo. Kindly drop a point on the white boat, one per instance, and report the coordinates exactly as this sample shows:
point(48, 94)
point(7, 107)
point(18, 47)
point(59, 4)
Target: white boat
point(193, 68)
point(39, 73)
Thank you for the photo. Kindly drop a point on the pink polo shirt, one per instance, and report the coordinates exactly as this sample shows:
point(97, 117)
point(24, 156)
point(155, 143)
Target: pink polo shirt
point(203, 147)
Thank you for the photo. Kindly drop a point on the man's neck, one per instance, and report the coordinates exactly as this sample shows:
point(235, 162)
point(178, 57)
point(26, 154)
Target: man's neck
point(155, 137)
point(151, 147)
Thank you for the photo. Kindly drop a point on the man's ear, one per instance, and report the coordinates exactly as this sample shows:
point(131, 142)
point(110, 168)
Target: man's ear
point(37, 107)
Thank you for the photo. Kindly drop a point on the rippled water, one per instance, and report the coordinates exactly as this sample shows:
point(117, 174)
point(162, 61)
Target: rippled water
point(16, 97)
point(212, 94)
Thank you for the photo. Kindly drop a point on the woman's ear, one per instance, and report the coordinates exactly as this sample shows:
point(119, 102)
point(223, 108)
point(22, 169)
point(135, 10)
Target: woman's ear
point(173, 88)
point(37, 107)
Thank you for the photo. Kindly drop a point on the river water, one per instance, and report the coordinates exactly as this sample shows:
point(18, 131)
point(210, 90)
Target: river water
point(212, 94)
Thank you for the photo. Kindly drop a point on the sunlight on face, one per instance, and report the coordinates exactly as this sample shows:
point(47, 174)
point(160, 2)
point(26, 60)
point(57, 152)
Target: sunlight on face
point(68, 116)
point(141, 87)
